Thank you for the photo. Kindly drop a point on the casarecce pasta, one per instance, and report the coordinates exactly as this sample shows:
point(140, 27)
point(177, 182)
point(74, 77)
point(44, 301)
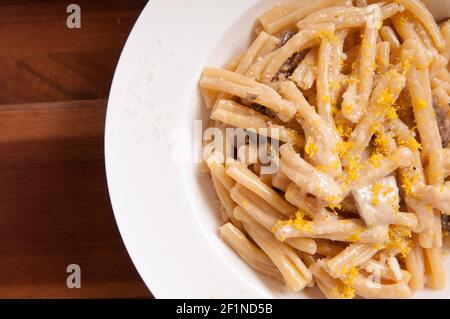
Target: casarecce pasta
point(351, 99)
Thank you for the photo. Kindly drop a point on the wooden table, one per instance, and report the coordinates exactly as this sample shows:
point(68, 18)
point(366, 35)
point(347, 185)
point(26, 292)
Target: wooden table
point(54, 204)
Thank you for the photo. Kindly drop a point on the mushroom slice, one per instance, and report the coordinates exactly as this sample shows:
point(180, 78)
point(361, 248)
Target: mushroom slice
point(378, 202)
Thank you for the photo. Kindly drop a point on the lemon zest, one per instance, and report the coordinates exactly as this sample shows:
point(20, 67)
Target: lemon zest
point(297, 221)
point(400, 239)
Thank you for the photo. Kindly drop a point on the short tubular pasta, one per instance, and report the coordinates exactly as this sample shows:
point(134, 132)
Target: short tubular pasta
point(219, 171)
point(383, 98)
point(445, 31)
point(254, 256)
point(305, 73)
point(280, 181)
point(347, 17)
point(296, 43)
point(236, 84)
point(383, 56)
point(226, 202)
point(437, 66)
point(437, 277)
point(315, 128)
point(311, 206)
point(367, 63)
point(323, 87)
point(350, 230)
point(364, 287)
point(239, 116)
point(388, 35)
point(260, 211)
point(353, 256)
point(265, 215)
point(295, 15)
point(291, 267)
point(406, 219)
point(332, 288)
point(315, 124)
point(415, 264)
point(277, 12)
point(254, 51)
point(306, 245)
point(336, 63)
point(344, 16)
point(328, 248)
point(405, 28)
point(328, 147)
point(307, 177)
point(247, 178)
point(418, 9)
point(438, 196)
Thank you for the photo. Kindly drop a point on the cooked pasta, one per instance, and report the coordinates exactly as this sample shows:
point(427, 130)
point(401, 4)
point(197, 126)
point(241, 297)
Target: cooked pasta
point(346, 185)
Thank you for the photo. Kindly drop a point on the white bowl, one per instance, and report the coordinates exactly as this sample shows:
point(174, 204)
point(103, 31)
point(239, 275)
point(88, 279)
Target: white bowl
point(166, 210)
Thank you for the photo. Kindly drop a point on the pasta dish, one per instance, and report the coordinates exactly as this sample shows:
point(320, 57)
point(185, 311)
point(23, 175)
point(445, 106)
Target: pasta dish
point(340, 176)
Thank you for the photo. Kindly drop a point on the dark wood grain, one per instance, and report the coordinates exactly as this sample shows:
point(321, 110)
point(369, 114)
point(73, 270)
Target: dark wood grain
point(41, 60)
point(54, 205)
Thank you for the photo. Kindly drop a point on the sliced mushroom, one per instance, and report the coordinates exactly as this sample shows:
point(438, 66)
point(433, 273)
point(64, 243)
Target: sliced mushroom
point(376, 203)
point(289, 66)
point(251, 96)
point(446, 221)
point(443, 121)
point(285, 37)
